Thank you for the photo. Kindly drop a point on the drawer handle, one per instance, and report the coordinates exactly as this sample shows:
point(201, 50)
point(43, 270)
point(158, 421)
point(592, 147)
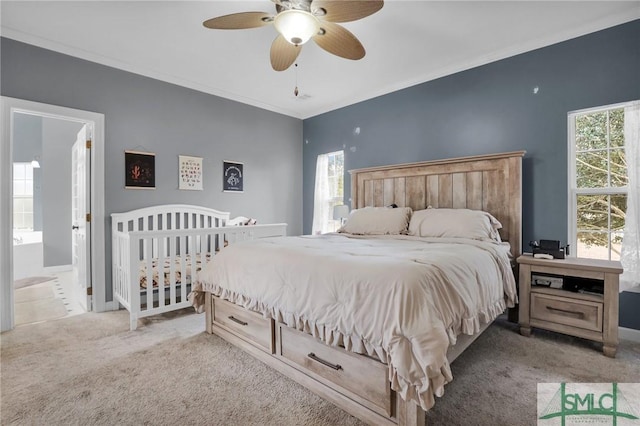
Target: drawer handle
point(577, 314)
point(234, 319)
point(322, 361)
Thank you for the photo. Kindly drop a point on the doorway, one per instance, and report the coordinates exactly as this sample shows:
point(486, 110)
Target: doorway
point(72, 251)
point(45, 190)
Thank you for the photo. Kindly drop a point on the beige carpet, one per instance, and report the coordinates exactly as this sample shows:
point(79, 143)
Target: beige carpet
point(37, 303)
point(90, 370)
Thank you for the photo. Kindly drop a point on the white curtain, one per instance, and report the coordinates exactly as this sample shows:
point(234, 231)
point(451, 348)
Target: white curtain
point(321, 196)
point(630, 257)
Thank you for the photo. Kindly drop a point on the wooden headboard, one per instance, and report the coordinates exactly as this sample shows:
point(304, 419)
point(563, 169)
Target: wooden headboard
point(492, 183)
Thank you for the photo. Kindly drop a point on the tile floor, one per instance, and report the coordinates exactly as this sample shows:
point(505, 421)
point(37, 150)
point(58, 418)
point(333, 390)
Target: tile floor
point(37, 304)
point(64, 290)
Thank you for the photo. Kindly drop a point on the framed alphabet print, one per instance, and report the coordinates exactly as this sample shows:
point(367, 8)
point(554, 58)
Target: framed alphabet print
point(140, 170)
point(190, 173)
point(232, 176)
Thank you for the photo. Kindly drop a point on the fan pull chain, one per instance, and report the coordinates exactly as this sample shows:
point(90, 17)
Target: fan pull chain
point(295, 91)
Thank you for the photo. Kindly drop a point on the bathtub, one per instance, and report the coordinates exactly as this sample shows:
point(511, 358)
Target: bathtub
point(28, 260)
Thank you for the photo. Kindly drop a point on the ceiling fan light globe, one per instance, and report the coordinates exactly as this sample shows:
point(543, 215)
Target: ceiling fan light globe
point(296, 26)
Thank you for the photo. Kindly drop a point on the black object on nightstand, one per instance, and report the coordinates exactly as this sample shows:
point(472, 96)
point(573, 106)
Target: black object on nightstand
point(550, 247)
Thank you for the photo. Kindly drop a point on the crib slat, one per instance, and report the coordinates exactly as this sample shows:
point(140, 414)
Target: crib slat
point(204, 249)
point(121, 268)
point(192, 268)
point(161, 262)
point(149, 270)
point(172, 271)
point(183, 262)
point(125, 278)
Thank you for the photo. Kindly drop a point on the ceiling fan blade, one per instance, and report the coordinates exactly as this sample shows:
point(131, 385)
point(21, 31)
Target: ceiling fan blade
point(283, 53)
point(345, 10)
point(239, 21)
point(339, 41)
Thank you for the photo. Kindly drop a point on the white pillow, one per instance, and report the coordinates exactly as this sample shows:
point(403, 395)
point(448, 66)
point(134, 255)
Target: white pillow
point(377, 221)
point(454, 223)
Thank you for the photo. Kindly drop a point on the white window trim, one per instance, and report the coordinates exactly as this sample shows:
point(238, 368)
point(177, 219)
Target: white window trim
point(572, 191)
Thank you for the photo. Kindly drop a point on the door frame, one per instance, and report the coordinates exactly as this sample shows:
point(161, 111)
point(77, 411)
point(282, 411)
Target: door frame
point(9, 106)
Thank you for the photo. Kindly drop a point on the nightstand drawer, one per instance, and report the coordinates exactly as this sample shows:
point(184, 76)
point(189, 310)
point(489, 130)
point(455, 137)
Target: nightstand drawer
point(572, 312)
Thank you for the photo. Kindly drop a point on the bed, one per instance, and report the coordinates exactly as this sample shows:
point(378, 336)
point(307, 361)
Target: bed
point(372, 322)
point(156, 252)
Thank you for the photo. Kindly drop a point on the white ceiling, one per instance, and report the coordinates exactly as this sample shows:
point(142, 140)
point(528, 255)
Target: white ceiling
point(407, 42)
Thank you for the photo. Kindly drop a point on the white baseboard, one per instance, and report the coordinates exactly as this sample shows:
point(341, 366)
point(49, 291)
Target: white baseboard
point(629, 334)
point(112, 306)
point(57, 268)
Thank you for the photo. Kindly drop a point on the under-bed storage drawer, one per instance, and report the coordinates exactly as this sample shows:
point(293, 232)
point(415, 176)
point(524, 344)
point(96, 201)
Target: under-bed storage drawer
point(562, 310)
point(356, 373)
point(249, 325)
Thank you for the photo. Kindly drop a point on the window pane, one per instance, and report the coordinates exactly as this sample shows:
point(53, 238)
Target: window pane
point(591, 131)
point(17, 220)
point(618, 211)
point(594, 245)
point(333, 187)
point(28, 220)
point(18, 187)
point(591, 169)
point(616, 127)
point(619, 176)
point(28, 187)
point(593, 213)
point(28, 171)
point(616, 245)
point(18, 205)
point(18, 171)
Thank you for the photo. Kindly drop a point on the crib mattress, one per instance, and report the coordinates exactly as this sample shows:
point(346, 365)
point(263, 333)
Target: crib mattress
point(167, 272)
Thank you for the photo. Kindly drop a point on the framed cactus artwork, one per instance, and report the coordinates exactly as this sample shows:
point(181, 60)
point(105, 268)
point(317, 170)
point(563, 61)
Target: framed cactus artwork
point(140, 170)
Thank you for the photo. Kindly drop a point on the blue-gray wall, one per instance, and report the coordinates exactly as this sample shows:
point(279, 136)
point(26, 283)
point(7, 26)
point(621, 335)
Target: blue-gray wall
point(146, 114)
point(492, 109)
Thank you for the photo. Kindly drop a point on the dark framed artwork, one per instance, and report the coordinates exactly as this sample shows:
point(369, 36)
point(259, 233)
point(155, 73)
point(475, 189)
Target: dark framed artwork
point(140, 170)
point(232, 176)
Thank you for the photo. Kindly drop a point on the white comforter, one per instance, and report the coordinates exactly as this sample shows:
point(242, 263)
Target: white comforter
point(403, 299)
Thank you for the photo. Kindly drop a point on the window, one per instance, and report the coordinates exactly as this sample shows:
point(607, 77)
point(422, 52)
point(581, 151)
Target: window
point(598, 182)
point(329, 191)
point(336, 185)
point(23, 196)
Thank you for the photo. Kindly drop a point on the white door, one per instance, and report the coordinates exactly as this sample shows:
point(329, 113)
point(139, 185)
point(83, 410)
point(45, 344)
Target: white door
point(80, 216)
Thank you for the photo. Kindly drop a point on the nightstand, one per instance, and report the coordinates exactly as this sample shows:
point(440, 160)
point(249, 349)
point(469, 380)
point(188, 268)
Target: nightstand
point(585, 314)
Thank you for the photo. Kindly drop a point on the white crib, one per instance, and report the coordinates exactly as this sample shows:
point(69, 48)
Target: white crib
point(156, 251)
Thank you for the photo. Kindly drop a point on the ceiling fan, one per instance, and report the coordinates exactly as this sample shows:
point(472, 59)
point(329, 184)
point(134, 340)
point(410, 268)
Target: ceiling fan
point(298, 21)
